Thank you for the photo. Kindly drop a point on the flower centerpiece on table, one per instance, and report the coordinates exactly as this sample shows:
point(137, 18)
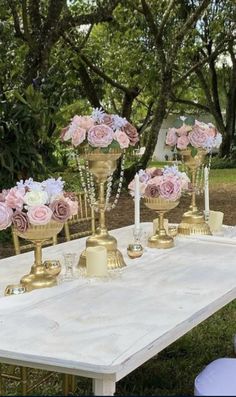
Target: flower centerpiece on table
point(100, 130)
point(32, 203)
point(189, 133)
point(167, 183)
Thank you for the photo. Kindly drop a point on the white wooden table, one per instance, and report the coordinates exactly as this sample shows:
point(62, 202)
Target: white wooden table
point(104, 329)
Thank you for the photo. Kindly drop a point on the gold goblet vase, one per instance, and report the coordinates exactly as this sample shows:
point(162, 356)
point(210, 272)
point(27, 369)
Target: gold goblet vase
point(102, 165)
point(193, 221)
point(161, 206)
point(39, 277)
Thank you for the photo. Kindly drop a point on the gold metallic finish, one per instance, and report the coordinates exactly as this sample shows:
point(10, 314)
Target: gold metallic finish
point(135, 250)
point(193, 221)
point(37, 234)
point(15, 289)
point(52, 267)
point(102, 165)
point(161, 206)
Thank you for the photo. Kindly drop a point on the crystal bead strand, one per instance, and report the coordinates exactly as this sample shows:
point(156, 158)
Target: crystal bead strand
point(109, 187)
point(87, 188)
point(90, 184)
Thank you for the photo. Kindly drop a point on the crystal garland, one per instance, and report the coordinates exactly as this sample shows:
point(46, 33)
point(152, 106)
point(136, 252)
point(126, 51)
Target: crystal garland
point(88, 185)
point(199, 185)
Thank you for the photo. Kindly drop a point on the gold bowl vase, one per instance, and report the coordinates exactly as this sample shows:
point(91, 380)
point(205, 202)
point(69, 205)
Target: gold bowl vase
point(161, 239)
point(193, 221)
point(102, 165)
point(39, 277)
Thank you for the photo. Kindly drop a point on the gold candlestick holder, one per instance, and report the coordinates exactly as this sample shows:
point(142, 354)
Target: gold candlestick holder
point(102, 165)
point(193, 221)
point(39, 277)
point(160, 239)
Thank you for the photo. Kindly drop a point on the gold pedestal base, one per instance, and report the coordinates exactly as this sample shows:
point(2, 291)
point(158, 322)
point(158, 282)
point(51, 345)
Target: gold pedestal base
point(193, 222)
point(159, 241)
point(38, 278)
point(114, 256)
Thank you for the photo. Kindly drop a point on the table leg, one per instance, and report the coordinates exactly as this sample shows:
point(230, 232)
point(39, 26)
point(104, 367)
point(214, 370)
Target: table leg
point(102, 387)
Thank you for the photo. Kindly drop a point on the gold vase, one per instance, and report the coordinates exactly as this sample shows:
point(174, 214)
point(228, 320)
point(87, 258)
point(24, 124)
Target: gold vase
point(161, 206)
point(193, 221)
point(102, 165)
point(39, 277)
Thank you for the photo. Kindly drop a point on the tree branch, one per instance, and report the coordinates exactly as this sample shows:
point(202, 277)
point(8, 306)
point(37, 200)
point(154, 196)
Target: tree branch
point(165, 18)
point(189, 103)
point(25, 21)
point(89, 89)
point(16, 21)
point(34, 14)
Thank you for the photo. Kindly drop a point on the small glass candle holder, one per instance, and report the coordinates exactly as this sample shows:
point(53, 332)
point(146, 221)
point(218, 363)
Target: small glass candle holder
point(69, 260)
point(135, 250)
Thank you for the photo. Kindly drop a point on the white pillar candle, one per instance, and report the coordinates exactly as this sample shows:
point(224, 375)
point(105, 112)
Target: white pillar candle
point(96, 261)
point(136, 203)
point(206, 191)
point(215, 221)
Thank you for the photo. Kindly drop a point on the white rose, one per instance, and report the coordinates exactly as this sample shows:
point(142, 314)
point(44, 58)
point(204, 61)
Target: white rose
point(35, 198)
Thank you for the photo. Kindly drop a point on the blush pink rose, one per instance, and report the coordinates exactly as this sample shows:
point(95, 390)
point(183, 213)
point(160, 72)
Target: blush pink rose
point(107, 119)
point(212, 131)
point(60, 210)
point(15, 198)
point(3, 195)
point(39, 215)
point(132, 133)
point(152, 189)
point(74, 206)
point(67, 132)
point(5, 216)
point(182, 142)
point(171, 137)
point(183, 130)
point(85, 122)
point(100, 136)
point(122, 139)
point(170, 189)
point(142, 187)
point(198, 137)
point(78, 136)
point(21, 221)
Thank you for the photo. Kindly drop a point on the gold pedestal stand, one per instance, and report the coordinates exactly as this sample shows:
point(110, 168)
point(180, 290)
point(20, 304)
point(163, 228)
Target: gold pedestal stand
point(39, 277)
point(161, 206)
point(193, 221)
point(102, 165)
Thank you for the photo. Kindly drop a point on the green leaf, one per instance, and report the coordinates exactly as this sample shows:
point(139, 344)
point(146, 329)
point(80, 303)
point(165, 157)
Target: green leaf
point(190, 120)
point(194, 152)
point(178, 123)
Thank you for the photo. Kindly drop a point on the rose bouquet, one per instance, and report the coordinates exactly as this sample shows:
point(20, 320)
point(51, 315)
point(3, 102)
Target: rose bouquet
point(192, 134)
point(36, 203)
point(167, 183)
point(100, 130)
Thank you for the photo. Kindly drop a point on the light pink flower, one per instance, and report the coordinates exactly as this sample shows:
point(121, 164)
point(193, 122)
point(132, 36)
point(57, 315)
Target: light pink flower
point(121, 137)
point(3, 195)
point(182, 142)
point(152, 189)
point(155, 171)
point(74, 206)
point(132, 133)
point(67, 132)
point(85, 122)
point(198, 136)
point(183, 130)
point(15, 198)
point(100, 136)
point(5, 216)
point(107, 119)
point(60, 210)
point(212, 131)
point(39, 215)
point(170, 189)
point(21, 221)
point(142, 187)
point(78, 136)
point(171, 137)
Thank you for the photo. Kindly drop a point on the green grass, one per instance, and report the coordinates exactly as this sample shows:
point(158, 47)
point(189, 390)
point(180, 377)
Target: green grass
point(219, 176)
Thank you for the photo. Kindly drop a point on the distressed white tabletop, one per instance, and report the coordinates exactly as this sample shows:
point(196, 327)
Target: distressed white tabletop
point(106, 328)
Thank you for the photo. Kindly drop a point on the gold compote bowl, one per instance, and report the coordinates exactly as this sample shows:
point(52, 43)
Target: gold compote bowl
point(102, 165)
point(39, 277)
point(193, 221)
point(161, 206)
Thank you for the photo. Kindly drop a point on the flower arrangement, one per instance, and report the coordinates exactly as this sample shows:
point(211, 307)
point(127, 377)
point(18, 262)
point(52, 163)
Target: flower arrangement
point(167, 183)
point(192, 134)
point(36, 203)
point(100, 130)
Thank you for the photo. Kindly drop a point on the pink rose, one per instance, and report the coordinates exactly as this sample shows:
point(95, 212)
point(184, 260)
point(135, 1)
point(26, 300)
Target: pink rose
point(182, 142)
point(15, 198)
point(142, 187)
point(171, 137)
point(5, 216)
point(39, 215)
point(170, 189)
point(85, 122)
point(4, 194)
point(107, 119)
point(63, 135)
point(155, 172)
point(74, 206)
point(100, 136)
point(60, 210)
point(67, 132)
point(152, 189)
point(212, 131)
point(198, 137)
point(122, 139)
point(78, 136)
point(21, 221)
point(183, 130)
point(132, 133)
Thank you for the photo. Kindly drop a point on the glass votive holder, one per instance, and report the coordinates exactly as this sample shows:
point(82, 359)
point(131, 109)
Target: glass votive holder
point(135, 250)
point(69, 261)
